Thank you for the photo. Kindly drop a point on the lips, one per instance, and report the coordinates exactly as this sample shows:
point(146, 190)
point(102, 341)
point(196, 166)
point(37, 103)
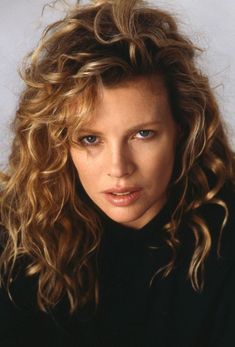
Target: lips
point(124, 196)
point(122, 190)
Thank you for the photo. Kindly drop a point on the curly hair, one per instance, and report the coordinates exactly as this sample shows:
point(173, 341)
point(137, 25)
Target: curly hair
point(43, 215)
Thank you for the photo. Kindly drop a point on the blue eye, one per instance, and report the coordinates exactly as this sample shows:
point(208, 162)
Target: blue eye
point(89, 140)
point(145, 134)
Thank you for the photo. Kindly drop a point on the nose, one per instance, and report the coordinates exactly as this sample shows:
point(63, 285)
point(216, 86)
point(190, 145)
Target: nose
point(120, 163)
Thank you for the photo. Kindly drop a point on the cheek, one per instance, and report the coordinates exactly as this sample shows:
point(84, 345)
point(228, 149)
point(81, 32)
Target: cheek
point(159, 164)
point(87, 170)
point(79, 163)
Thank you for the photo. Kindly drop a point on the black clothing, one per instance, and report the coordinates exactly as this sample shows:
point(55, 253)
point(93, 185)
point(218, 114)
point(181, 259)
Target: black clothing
point(169, 313)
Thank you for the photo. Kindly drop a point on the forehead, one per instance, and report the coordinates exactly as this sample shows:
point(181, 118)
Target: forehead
point(132, 100)
point(140, 87)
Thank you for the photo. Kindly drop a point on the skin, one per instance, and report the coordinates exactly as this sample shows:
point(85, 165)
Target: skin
point(130, 140)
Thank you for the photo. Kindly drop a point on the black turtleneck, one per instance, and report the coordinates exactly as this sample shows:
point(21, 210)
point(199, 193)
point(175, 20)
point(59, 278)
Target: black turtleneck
point(126, 269)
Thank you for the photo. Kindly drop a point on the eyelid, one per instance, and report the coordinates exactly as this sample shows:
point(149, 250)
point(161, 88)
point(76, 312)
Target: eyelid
point(82, 138)
point(98, 140)
point(152, 133)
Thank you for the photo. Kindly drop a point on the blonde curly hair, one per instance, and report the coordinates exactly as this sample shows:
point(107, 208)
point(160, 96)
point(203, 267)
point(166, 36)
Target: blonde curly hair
point(43, 215)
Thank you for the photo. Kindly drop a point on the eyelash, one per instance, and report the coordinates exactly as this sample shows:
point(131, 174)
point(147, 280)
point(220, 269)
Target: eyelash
point(83, 139)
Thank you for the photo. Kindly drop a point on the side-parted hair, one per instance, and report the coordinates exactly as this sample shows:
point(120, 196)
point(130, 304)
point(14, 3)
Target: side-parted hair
point(43, 216)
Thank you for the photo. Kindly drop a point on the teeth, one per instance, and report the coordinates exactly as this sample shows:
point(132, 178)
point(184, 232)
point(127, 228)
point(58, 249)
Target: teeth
point(126, 193)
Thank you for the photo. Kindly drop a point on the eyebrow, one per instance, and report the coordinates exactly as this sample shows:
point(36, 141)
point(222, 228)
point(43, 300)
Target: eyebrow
point(132, 129)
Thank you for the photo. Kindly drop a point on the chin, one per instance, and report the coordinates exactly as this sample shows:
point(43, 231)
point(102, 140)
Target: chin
point(125, 217)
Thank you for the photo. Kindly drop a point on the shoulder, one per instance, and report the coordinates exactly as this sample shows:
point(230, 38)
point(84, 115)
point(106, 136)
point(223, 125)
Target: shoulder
point(228, 232)
point(220, 218)
point(22, 291)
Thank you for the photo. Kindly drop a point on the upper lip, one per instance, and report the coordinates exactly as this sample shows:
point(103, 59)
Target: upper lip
point(122, 190)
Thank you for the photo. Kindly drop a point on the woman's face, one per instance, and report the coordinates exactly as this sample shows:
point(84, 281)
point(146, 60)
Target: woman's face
point(125, 153)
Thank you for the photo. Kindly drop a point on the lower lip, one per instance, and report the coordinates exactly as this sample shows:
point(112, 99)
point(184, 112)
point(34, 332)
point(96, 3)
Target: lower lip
point(123, 200)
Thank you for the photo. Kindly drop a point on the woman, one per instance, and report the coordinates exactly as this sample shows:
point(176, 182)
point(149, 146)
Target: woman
point(117, 208)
